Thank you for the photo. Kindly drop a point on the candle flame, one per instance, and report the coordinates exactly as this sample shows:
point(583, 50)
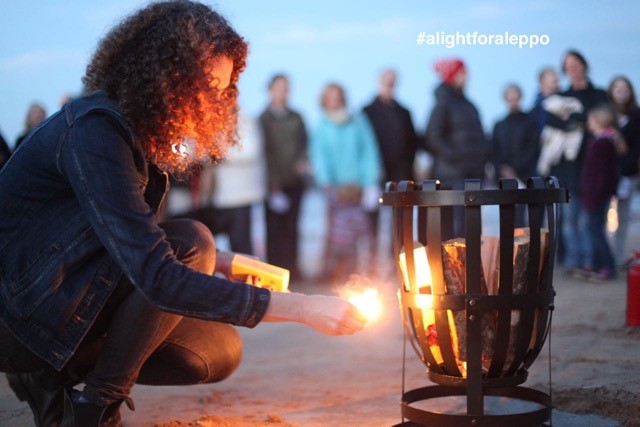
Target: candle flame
point(368, 303)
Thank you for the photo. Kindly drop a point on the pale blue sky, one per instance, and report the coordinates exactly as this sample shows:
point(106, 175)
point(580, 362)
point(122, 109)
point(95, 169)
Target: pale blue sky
point(46, 44)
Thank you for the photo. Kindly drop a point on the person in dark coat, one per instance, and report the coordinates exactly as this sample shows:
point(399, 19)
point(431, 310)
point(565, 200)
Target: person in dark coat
point(515, 144)
point(454, 134)
point(394, 130)
point(94, 288)
point(548, 85)
point(5, 152)
point(396, 138)
point(623, 99)
point(285, 145)
point(575, 66)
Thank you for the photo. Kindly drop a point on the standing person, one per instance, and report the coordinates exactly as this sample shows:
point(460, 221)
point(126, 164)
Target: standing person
point(287, 167)
point(547, 86)
point(35, 115)
point(4, 151)
point(231, 188)
point(345, 160)
point(455, 136)
point(569, 168)
point(623, 99)
point(515, 145)
point(396, 137)
point(94, 289)
point(598, 184)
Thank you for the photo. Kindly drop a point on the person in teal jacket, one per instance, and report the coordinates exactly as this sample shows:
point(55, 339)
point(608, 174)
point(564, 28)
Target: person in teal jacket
point(347, 166)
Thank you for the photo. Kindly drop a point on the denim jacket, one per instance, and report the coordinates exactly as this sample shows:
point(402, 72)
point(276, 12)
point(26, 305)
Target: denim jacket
point(78, 204)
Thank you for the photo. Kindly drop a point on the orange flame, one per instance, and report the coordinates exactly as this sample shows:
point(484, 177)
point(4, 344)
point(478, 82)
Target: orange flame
point(360, 292)
point(368, 302)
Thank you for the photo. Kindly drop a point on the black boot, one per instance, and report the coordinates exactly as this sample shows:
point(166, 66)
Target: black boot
point(45, 405)
point(78, 412)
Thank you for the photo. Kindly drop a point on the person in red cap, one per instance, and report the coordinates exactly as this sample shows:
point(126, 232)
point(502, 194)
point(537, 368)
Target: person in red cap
point(452, 72)
point(454, 135)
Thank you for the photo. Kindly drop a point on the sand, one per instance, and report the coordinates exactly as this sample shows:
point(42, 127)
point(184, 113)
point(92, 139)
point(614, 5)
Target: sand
point(294, 376)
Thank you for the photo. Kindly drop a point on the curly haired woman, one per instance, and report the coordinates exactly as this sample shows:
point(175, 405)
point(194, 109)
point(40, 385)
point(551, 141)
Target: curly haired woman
point(93, 289)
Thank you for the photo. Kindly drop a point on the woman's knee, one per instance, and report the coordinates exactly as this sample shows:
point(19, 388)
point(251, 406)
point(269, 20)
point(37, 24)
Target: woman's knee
point(192, 243)
point(212, 360)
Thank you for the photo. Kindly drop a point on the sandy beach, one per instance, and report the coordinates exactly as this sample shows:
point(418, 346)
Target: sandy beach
point(294, 376)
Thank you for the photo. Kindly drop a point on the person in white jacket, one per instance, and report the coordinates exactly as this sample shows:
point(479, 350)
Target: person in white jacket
point(229, 189)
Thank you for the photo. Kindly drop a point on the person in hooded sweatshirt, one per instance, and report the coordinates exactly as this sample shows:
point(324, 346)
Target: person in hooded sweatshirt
point(454, 135)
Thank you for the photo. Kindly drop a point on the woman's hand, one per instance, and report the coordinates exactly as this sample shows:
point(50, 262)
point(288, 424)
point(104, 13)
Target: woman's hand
point(325, 314)
point(224, 260)
point(333, 316)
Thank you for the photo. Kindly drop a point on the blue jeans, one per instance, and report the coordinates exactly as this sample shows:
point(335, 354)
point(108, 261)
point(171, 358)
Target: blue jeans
point(576, 245)
point(601, 256)
point(133, 341)
point(624, 219)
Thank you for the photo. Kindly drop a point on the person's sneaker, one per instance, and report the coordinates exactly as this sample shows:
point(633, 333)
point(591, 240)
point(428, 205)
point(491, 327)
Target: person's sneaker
point(577, 273)
point(602, 275)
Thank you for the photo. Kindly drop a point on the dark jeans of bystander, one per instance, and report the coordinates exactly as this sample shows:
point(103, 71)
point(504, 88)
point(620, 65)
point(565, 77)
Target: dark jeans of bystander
point(601, 259)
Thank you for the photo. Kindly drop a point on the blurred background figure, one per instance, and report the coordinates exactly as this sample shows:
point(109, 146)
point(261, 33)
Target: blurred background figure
point(623, 99)
point(547, 86)
point(599, 182)
point(345, 159)
point(66, 97)
point(4, 151)
point(222, 196)
point(569, 168)
point(396, 137)
point(454, 135)
point(285, 148)
point(515, 145)
point(35, 114)
point(230, 189)
point(183, 198)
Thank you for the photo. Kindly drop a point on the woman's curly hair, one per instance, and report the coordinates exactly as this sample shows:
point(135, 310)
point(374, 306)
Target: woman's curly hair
point(157, 64)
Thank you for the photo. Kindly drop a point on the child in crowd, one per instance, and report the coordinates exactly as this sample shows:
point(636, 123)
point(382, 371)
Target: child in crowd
point(598, 184)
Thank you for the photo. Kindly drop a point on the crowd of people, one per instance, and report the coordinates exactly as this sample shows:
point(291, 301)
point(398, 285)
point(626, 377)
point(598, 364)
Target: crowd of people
point(350, 154)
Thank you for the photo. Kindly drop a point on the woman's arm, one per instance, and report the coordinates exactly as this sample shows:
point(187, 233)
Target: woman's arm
point(97, 159)
point(328, 315)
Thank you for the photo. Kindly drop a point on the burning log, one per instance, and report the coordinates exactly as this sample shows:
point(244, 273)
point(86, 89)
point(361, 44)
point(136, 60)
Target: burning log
point(454, 259)
point(521, 246)
point(454, 270)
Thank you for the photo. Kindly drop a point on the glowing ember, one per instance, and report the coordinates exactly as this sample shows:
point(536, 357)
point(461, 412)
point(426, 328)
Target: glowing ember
point(421, 267)
point(368, 302)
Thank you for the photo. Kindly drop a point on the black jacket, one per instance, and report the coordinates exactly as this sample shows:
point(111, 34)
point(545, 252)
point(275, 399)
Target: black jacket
point(515, 143)
point(79, 202)
point(396, 138)
point(4, 151)
point(455, 136)
point(569, 171)
point(631, 133)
